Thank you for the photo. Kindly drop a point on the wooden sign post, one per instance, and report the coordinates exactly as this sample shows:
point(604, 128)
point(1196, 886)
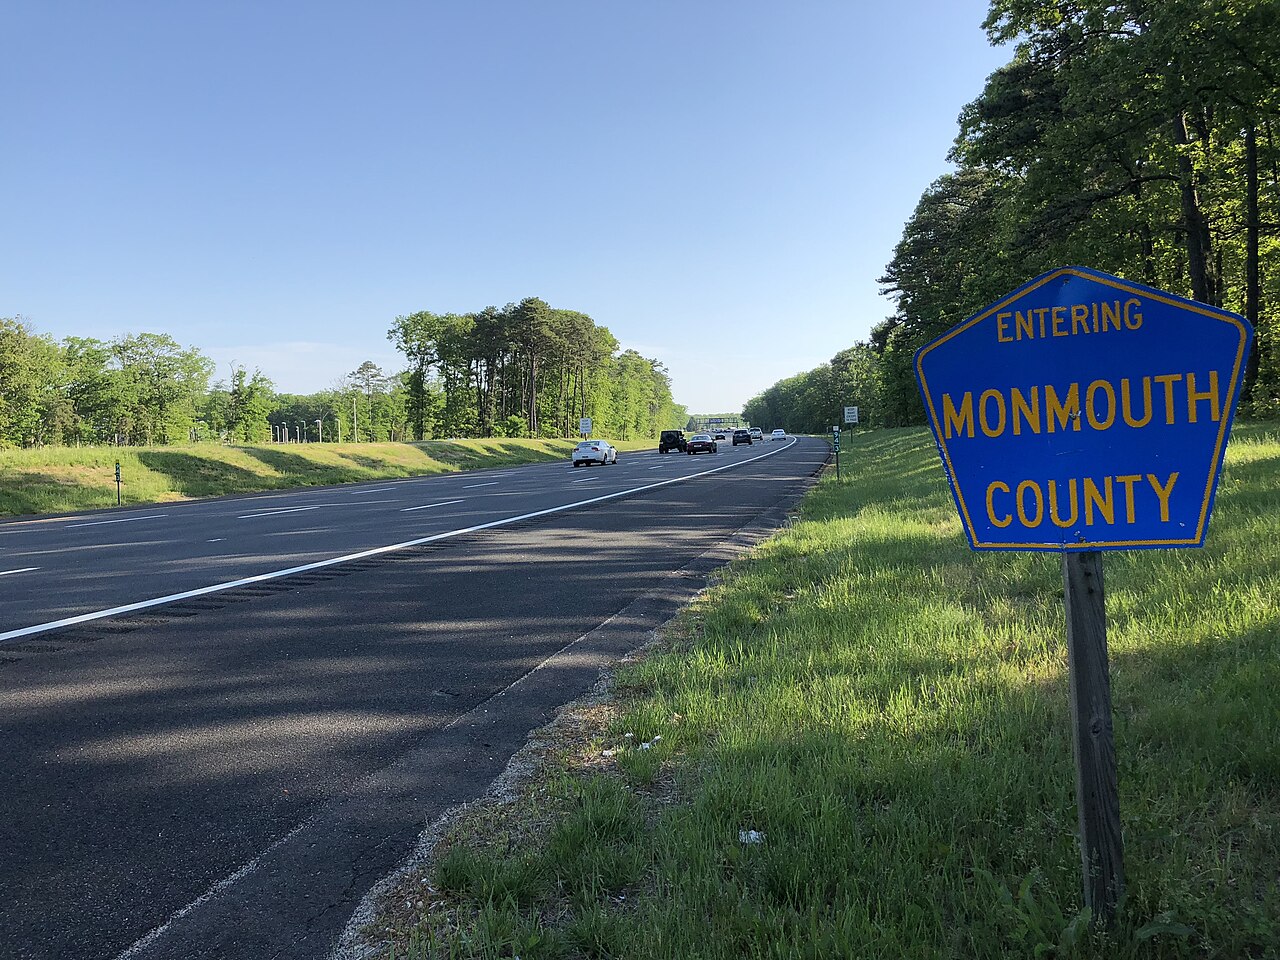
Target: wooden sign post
point(1093, 742)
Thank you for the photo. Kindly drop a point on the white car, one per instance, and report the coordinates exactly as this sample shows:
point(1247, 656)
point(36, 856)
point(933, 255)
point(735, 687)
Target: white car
point(778, 434)
point(757, 433)
point(594, 451)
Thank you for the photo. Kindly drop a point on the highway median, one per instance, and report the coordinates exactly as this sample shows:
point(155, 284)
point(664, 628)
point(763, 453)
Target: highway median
point(42, 480)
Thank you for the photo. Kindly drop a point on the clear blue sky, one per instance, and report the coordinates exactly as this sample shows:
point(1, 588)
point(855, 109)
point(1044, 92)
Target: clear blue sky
point(719, 183)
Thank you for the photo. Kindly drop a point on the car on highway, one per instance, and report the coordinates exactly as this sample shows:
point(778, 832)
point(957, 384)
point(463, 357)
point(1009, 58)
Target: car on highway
point(701, 443)
point(741, 436)
point(594, 451)
point(757, 433)
point(719, 435)
point(671, 440)
point(778, 434)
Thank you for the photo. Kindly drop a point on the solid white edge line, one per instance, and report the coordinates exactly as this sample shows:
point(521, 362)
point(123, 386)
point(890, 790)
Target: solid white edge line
point(376, 551)
point(149, 938)
point(442, 503)
point(488, 483)
point(5, 573)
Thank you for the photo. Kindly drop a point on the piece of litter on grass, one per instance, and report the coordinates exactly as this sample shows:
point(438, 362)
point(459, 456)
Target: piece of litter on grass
point(607, 753)
point(645, 746)
point(750, 836)
point(628, 736)
point(656, 738)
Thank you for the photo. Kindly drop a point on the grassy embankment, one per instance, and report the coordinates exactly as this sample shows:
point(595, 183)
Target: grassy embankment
point(63, 479)
point(889, 711)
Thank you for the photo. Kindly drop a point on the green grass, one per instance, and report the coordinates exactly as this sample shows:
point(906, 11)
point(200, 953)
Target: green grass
point(68, 479)
point(890, 711)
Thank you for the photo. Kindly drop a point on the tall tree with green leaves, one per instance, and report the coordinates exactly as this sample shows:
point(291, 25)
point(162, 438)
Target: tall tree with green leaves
point(251, 400)
point(162, 384)
point(369, 379)
point(417, 336)
point(31, 407)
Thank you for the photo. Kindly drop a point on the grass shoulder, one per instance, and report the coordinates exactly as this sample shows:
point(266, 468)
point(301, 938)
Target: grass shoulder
point(65, 479)
point(857, 744)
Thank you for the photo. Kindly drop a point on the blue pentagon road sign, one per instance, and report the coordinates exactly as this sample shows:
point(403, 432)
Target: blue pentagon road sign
point(1085, 412)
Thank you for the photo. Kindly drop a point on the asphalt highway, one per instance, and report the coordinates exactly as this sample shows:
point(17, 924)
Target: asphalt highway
point(224, 720)
point(64, 567)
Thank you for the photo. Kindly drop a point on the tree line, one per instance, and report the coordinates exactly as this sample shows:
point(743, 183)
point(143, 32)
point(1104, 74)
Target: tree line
point(519, 371)
point(528, 369)
point(1133, 137)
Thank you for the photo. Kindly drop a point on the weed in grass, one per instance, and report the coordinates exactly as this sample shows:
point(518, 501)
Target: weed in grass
point(489, 878)
point(592, 851)
point(640, 766)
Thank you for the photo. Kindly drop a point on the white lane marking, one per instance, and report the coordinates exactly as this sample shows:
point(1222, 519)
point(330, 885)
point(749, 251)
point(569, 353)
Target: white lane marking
point(375, 552)
point(356, 493)
point(356, 503)
point(442, 503)
point(216, 540)
point(98, 523)
point(274, 513)
point(584, 480)
point(257, 497)
point(5, 573)
point(472, 486)
point(213, 891)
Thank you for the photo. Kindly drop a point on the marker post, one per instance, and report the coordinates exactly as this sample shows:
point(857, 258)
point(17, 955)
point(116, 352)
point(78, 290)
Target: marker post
point(835, 439)
point(1092, 737)
point(117, 483)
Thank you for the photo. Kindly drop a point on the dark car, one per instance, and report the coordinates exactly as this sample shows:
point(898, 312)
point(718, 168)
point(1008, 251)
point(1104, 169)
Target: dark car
point(741, 436)
point(700, 443)
point(671, 440)
point(720, 435)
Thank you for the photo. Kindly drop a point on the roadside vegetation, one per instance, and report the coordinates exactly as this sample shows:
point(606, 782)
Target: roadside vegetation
point(526, 370)
point(68, 479)
point(857, 744)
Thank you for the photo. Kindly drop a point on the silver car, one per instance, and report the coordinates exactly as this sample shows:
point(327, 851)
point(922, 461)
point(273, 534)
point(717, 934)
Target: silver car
point(594, 451)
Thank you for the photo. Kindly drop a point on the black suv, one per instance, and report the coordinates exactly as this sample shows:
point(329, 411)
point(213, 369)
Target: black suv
point(741, 436)
point(672, 440)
